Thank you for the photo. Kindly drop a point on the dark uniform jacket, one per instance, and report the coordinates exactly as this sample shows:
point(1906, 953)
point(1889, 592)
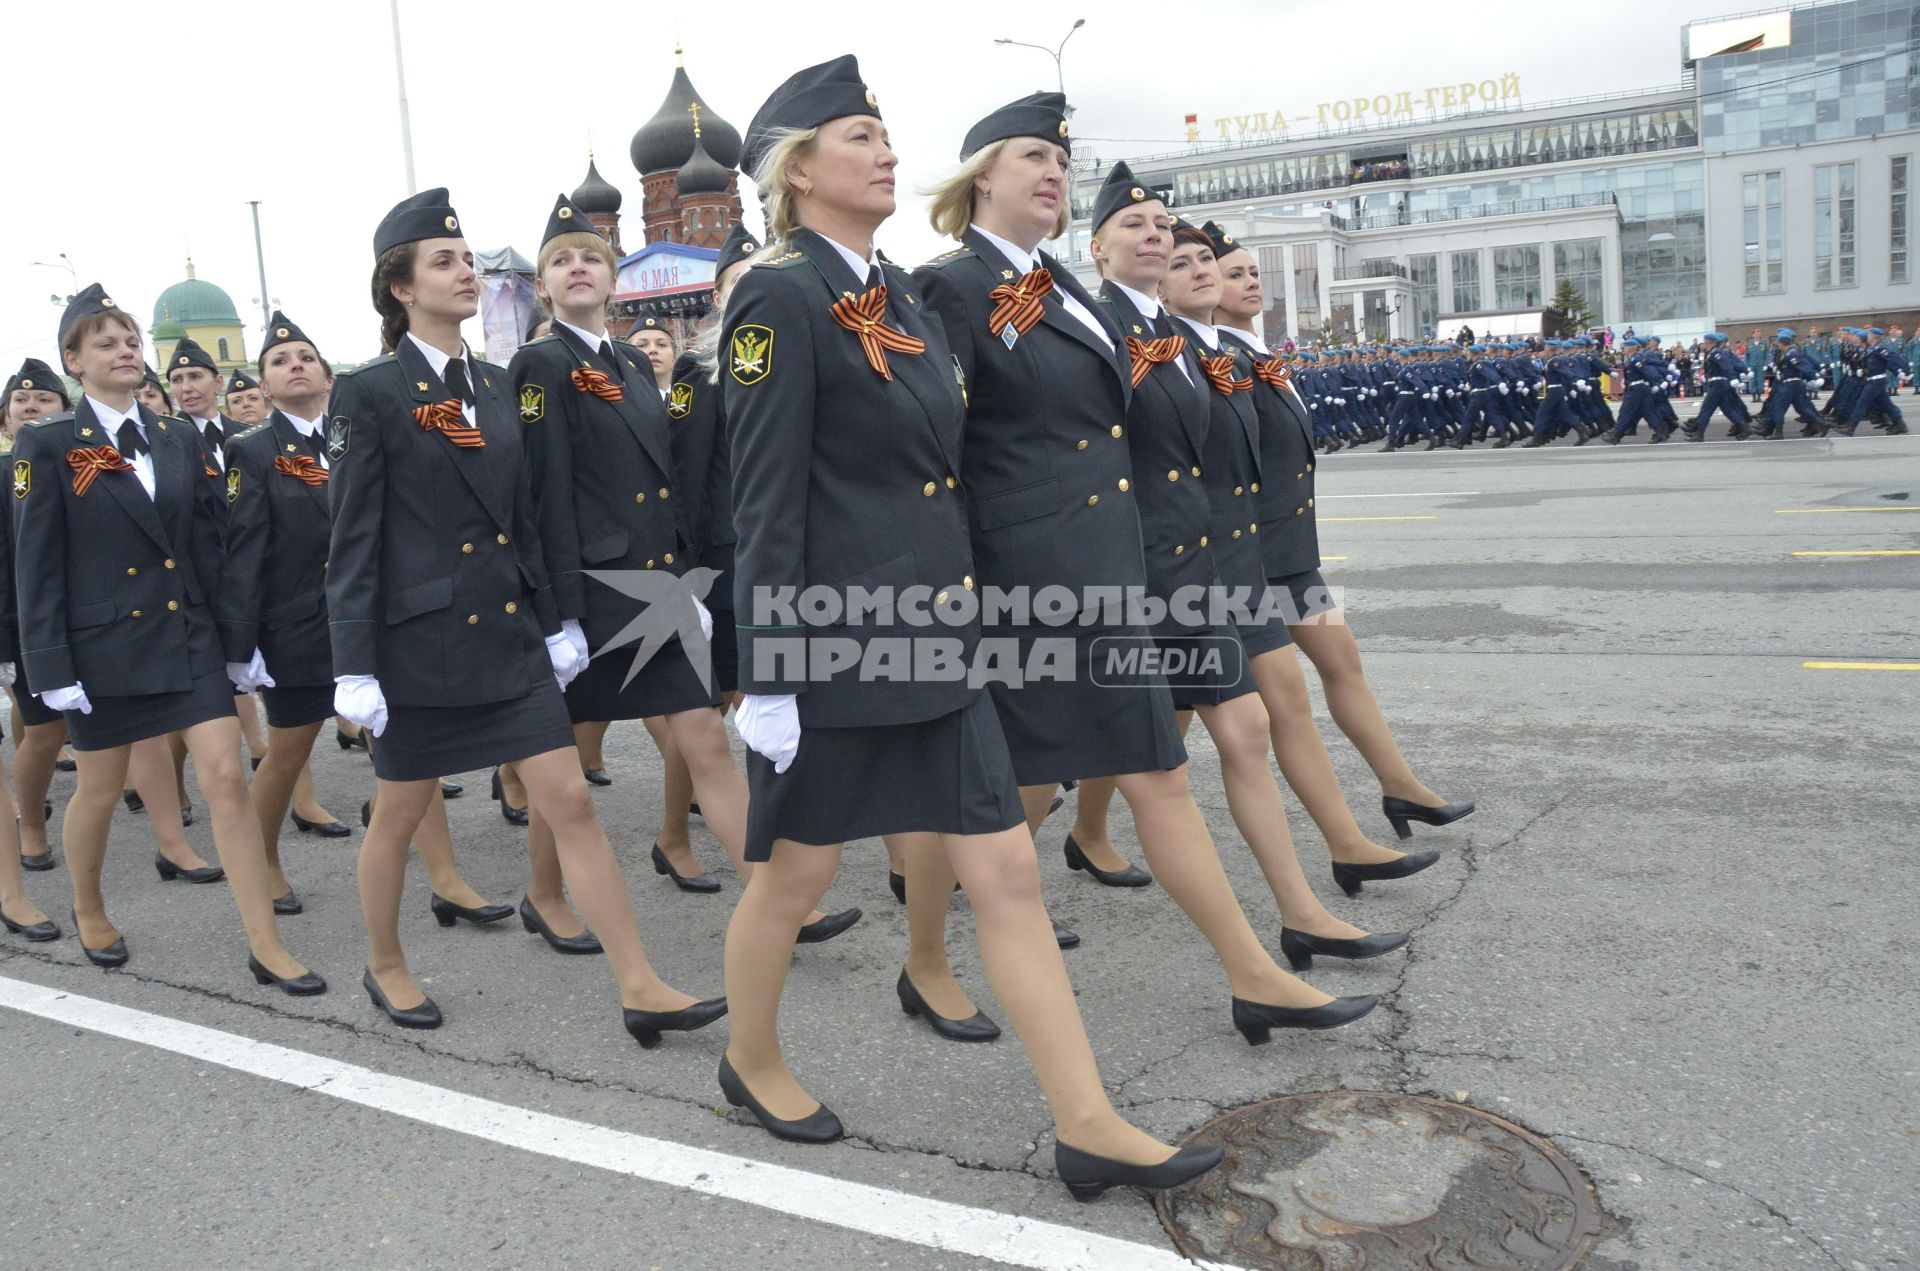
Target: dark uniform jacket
point(435, 583)
point(273, 588)
point(1232, 464)
point(841, 478)
point(602, 475)
point(114, 587)
point(1048, 475)
point(1289, 537)
point(703, 460)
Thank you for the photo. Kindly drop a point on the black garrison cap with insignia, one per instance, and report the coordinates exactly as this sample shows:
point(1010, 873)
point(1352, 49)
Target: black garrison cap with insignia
point(809, 98)
point(242, 383)
point(420, 216)
point(91, 299)
point(36, 376)
point(567, 218)
point(1223, 242)
point(281, 331)
point(738, 246)
point(1120, 189)
point(187, 353)
point(1042, 115)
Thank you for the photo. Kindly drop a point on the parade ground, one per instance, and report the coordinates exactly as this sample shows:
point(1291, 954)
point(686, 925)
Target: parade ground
point(1672, 944)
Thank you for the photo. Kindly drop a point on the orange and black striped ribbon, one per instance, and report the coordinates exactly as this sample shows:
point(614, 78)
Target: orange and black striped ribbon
point(1274, 372)
point(300, 468)
point(207, 468)
point(90, 461)
point(448, 419)
point(588, 380)
point(1018, 303)
point(1148, 354)
point(1220, 371)
point(865, 315)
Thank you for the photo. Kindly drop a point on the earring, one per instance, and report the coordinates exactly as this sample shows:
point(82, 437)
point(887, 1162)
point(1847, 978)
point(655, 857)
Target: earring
point(987, 195)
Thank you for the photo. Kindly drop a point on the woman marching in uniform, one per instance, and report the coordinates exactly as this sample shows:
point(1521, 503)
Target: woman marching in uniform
point(846, 419)
point(118, 550)
point(1050, 386)
point(446, 639)
point(39, 731)
point(18, 914)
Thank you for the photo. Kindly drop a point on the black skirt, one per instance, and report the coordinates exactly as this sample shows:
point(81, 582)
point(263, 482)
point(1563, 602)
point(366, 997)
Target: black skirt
point(666, 683)
point(421, 742)
point(32, 711)
point(1101, 721)
point(298, 706)
point(1309, 595)
point(949, 775)
point(1205, 668)
point(121, 721)
point(1258, 635)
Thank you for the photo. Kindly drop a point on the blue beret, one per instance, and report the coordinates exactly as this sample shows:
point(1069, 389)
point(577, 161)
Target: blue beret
point(1476, 348)
point(1875, 331)
point(1786, 333)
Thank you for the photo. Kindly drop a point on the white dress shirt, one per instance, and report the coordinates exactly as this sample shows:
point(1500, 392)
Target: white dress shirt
point(1248, 337)
point(1026, 262)
point(110, 420)
point(309, 428)
point(438, 361)
point(1152, 307)
point(1204, 332)
point(591, 339)
point(217, 451)
point(862, 269)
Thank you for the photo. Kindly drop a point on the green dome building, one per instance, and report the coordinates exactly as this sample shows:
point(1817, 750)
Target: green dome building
point(197, 308)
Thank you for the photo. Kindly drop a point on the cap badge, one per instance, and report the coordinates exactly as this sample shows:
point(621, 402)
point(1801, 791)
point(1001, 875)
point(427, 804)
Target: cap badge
point(452, 223)
point(566, 213)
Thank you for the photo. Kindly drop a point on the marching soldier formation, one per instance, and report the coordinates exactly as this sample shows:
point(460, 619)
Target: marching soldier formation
point(452, 557)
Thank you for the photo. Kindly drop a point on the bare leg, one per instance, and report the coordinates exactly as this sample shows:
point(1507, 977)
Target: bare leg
point(398, 809)
point(83, 833)
point(511, 786)
point(760, 937)
point(14, 901)
point(1092, 804)
point(677, 801)
point(305, 802)
point(33, 777)
point(273, 785)
point(1331, 648)
point(150, 768)
point(591, 739)
point(434, 840)
point(546, 885)
point(177, 747)
point(555, 786)
point(930, 880)
point(248, 712)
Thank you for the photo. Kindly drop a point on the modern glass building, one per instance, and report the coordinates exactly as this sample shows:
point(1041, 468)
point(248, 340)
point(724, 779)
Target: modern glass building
point(1671, 210)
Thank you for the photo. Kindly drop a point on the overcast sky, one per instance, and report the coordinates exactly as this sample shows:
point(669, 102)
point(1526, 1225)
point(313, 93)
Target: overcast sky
point(137, 132)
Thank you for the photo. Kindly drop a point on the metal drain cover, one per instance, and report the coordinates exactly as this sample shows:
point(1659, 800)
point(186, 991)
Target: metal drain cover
point(1346, 1181)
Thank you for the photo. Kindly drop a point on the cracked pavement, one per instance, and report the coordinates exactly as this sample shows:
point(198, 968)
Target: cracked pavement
point(1671, 940)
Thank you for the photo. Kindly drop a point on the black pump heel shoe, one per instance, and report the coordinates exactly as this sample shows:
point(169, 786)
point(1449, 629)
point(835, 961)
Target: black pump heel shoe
point(425, 1015)
point(1131, 876)
point(1087, 1175)
point(1350, 877)
point(168, 871)
point(113, 955)
point(325, 829)
point(513, 815)
point(1256, 1020)
point(445, 912)
point(826, 928)
point(1401, 811)
point(702, 883)
point(585, 942)
point(1300, 946)
point(975, 1028)
point(646, 1026)
point(33, 931)
point(821, 1127)
point(308, 985)
point(356, 742)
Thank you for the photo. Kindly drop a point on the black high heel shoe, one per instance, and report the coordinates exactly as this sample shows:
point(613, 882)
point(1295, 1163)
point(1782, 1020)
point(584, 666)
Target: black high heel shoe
point(646, 1026)
point(826, 928)
point(1350, 877)
point(821, 1127)
point(445, 912)
point(975, 1028)
point(325, 829)
point(366, 815)
point(169, 871)
point(1300, 946)
point(598, 777)
point(1131, 876)
point(1401, 811)
point(356, 742)
point(425, 1015)
point(451, 789)
point(288, 905)
point(34, 931)
point(703, 883)
point(1087, 1175)
point(113, 955)
point(38, 864)
point(133, 801)
point(1256, 1020)
point(1065, 937)
point(513, 815)
point(585, 942)
point(308, 985)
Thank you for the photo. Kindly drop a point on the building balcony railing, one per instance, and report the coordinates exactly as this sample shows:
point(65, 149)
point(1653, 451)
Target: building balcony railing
point(1477, 211)
point(1372, 269)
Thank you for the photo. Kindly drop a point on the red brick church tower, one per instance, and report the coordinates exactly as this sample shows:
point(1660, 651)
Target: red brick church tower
point(686, 155)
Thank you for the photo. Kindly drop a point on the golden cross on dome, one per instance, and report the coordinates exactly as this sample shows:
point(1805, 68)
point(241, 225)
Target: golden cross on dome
point(694, 109)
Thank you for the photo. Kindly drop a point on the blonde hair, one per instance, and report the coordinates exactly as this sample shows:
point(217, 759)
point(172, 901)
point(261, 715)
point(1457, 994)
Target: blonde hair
point(953, 198)
point(586, 240)
point(770, 176)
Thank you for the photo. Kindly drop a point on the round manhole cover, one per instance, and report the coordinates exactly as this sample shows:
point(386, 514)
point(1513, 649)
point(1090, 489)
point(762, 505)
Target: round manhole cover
point(1349, 1180)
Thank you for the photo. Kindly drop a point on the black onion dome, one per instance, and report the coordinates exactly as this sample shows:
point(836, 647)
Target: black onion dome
point(700, 174)
point(595, 194)
point(665, 142)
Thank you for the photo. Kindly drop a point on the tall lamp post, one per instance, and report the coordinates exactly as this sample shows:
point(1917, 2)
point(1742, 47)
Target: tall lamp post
point(72, 274)
point(1054, 53)
point(260, 258)
point(406, 121)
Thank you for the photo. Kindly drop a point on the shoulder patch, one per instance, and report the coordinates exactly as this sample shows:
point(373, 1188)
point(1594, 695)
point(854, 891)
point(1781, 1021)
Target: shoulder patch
point(339, 434)
point(22, 478)
point(680, 400)
point(233, 485)
point(751, 353)
point(533, 403)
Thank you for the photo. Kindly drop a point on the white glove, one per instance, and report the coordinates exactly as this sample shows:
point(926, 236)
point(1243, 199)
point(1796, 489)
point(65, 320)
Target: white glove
point(566, 659)
point(576, 637)
point(7, 674)
point(70, 698)
point(1581, 385)
point(250, 675)
point(1503, 390)
point(771, 727)
point(706, 618)
point(358, 698)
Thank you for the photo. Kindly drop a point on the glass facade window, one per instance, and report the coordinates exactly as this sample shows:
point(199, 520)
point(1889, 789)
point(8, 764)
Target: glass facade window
point(1582, 262)
point(1763, 232)
point(1833, 225)
point(1848, 70)
point(1516, 277)
point(1424, 269)
point(1273, 290)
point(1599, 137)
point(1306, 289)
point(1898, 269)
point(1343, 317)
point(1466, 282)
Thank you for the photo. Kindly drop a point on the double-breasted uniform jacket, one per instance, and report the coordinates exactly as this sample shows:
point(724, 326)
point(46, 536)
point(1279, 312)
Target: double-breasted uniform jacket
point(1232, 467)
point(1169, 419)
point(1289, 535)
point(115, 588)
point(273, 586)
point(703, 459)
point(842, 478)
point(1047, 470)
point(435, 582)
point(602, 476)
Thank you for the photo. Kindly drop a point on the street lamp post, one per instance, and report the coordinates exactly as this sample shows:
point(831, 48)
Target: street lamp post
point(73, 275)
point(260, 258)
point(406, 121)
point(1054, 53)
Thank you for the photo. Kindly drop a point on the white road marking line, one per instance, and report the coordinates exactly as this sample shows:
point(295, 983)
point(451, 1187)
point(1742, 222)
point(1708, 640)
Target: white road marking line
point(876, 1211)
point(1421, 494)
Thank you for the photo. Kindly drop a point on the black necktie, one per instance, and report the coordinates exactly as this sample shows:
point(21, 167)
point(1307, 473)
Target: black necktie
point(132, 440)
point(606, 355)
point(457, 384)
point(312, 442)
point(213, 434)
point(873, 277)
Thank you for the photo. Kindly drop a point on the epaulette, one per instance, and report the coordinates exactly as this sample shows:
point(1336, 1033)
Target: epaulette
point(64, 417)
point(548, 338)
point(264, 425)
point(781, 262)
point(382, 360)
point(958, 253)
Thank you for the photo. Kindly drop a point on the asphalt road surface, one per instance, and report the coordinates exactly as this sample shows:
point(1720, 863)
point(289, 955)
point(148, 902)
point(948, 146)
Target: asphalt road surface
point(1674, 940)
